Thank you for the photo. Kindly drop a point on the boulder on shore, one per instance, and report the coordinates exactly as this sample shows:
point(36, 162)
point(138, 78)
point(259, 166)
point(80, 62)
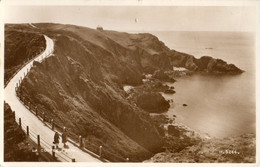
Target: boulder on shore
point(172, 130)
point(169, 91)
point(152, 102)
point(163, 75)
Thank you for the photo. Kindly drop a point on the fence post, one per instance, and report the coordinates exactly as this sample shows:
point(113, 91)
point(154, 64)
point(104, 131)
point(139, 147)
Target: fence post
point(84, 143)
point(53, 151)
point(39, 140)
point(23, 74)
point(73, 160)
point(20, 122)
point(14, 114)
point(36, 111)
point(52, 124)
point(100, 152)
point(27, 130)
point(80, 141)
point(43, 117)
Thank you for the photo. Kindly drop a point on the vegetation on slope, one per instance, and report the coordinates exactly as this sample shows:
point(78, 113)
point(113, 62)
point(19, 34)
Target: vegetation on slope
point(16, 146)
point(20, 46)
point(88, 103)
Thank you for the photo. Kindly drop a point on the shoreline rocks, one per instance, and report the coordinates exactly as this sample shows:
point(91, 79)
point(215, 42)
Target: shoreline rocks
point(152, 102)
point(213, 151)
point(172, 130)
point(169, 91)
point(204, 64)
point(164, 75)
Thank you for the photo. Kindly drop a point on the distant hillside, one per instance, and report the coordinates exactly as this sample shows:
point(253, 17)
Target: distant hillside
point(150, 50)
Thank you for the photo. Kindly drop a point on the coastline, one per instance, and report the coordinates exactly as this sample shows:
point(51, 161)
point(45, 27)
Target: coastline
point(215, 105)
point(187, 139)
point(107, 98)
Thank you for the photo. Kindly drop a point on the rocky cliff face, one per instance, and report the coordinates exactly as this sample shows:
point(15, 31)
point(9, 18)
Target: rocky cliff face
point(152, 102)
point(80, 86)
point(240, 149)
point(205, 64)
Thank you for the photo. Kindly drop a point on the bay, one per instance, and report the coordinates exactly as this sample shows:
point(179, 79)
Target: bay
point(221, 106)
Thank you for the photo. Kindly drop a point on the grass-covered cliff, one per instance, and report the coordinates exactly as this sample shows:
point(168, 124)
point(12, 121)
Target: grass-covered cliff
point(18, 147)
point(81, 86)
point(20, 46)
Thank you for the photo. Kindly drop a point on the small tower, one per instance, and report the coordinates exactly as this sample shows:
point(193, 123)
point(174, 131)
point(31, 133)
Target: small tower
point(100, 28)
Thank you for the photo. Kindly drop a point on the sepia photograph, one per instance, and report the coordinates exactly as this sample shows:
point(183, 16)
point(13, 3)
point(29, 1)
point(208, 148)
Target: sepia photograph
point(129, 83)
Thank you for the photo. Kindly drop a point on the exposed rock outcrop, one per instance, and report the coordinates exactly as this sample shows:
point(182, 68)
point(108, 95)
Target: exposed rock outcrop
point(240, 149)
point(169, 91)
point(152, 102)
point(164, 76)
point(204, 64)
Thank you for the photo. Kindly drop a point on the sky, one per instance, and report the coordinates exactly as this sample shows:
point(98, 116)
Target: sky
point(139, 18)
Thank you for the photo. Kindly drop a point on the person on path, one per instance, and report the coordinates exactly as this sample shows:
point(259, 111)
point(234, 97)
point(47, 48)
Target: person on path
point(64, 137)
point(56, 139)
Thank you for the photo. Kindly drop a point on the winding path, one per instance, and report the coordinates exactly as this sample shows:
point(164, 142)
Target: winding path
point(35, 125)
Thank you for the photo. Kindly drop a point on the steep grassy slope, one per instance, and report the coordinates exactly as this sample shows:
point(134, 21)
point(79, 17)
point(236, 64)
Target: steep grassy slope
point(20, 46)
point(80, 86)
point(16, 146)
point(13, 138)
point(88, 102)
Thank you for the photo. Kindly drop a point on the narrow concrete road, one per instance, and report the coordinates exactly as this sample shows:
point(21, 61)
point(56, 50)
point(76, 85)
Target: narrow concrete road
point(35, 125)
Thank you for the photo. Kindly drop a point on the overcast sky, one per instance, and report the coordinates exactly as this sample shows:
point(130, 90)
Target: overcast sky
point(142, 18)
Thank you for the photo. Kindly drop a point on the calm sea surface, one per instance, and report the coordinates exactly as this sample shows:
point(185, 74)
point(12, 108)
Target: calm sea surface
point(220, 106)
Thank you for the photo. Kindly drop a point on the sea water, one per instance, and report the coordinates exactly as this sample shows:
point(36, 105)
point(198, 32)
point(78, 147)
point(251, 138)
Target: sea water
point(221, 106)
